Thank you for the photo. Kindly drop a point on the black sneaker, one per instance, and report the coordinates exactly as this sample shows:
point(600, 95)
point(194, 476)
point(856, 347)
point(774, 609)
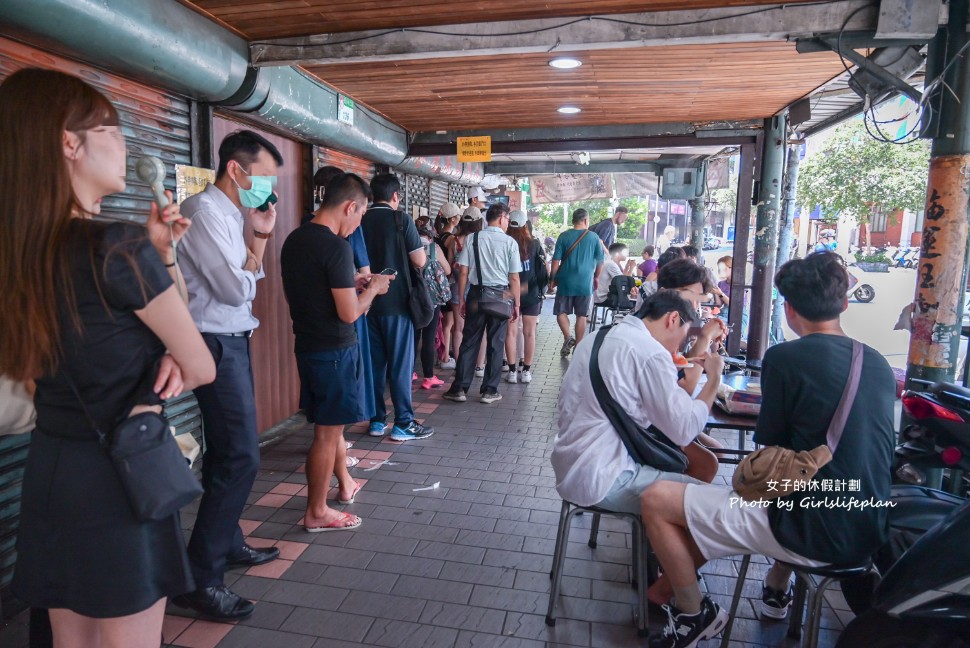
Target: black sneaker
point(685, 630)
point(413, 431)
point(775, 603)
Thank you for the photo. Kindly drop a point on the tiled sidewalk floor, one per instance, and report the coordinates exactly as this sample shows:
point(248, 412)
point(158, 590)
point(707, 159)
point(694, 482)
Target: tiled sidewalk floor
point(456, 544)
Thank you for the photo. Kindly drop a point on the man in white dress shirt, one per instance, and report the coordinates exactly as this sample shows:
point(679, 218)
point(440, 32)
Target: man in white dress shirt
point(221, 270)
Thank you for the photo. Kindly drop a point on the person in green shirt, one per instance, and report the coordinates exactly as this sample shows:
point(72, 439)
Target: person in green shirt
point(576, 261)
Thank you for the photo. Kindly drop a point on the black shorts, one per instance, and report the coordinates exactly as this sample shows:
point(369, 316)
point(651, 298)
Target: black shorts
point(532, 310)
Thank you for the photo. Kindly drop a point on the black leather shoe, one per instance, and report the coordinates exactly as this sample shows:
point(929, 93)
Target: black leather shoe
point(218, 603)
point(249, 556)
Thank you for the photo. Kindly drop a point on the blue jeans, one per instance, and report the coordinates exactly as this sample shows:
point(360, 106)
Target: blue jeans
point(392, 357)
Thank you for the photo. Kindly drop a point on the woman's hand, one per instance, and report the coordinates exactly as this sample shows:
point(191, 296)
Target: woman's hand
point(168, 383)
point(165, 226)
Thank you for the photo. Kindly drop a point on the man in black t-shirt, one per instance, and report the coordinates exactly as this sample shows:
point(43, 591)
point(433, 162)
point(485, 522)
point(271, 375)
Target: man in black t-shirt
point(322, 291)
point(840, 516)
point(389, 322)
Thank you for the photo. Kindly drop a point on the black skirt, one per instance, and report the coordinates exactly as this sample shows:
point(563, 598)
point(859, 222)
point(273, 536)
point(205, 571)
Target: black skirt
point(79, 546)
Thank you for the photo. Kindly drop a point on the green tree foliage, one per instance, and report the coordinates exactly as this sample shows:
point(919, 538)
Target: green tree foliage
point(853, 172)
point(551, 216)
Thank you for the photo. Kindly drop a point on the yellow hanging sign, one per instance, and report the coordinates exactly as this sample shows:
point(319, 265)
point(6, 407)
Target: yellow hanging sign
point(475, 149)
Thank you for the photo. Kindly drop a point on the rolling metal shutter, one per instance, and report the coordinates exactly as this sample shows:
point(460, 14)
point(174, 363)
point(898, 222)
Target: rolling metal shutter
point(439, 196)
point(459, 194)
point(154, 123)
point(415, 193)
point(349, 163)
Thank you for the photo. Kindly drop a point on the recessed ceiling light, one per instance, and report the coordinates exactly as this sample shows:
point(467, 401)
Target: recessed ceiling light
point(569, 110)
point(565, 63)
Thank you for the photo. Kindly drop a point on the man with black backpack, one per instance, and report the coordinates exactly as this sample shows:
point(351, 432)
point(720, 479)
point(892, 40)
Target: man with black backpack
point(389, 320)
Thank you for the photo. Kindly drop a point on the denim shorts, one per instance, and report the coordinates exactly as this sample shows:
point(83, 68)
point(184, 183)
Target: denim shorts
point(331, 389)
point(624, 495)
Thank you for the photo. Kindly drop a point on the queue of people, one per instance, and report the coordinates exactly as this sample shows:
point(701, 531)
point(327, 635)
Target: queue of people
point(109, 335)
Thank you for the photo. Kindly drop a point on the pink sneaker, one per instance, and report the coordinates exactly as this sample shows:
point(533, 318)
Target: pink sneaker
point(432, 382)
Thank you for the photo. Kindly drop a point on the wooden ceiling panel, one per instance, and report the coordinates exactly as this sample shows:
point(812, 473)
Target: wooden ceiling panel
point(677, 83)
point(261, 19)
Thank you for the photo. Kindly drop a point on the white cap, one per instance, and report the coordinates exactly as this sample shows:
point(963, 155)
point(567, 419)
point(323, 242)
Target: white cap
point(449, 210)
point(471, 214)
point(475, 192)
point(518, 218)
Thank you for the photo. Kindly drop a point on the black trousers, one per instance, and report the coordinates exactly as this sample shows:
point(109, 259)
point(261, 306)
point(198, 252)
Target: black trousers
point(425, 337)
point(476, 325)
point(230, 461)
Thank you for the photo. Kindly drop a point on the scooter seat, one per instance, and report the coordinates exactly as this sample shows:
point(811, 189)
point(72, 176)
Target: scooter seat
point(955, 395)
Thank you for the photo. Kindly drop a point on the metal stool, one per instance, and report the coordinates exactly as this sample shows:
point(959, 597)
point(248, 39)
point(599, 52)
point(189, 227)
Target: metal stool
point(640, 558)
point(806, 592)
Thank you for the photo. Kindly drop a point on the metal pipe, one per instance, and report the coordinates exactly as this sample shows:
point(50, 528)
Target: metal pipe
point(942, 270)
point(742, 223)
point(766, 233)
point(785, 233)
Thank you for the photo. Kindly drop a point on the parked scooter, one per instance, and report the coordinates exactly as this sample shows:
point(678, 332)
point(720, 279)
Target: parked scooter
point(924, 599)
point(909, 258)
point(937, 439)
point(863, 292)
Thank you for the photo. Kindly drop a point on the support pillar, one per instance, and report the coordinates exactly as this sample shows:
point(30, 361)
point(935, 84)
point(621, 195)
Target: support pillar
point(742, 223)
point(698, 215)
point(766, 233)
point(942, 270)
point(785, 234)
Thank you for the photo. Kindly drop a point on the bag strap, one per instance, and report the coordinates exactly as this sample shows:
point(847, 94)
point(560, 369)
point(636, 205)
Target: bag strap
point(573, 247)
point(404, 250)
point(478, 260)
point(618, 417)
point(837, 425)
point(102, 438)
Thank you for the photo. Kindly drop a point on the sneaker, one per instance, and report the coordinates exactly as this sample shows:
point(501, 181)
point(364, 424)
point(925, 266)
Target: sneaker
point(512, 377)
point(479, 372)
point(567, 347)
point(432, 382)
point(413, 431)
point(377, 429)
point(505, 366)
point(525, 377)
point(685, 630)
point(775, 603)
point(448, 364)
point(488, 399)
point(457, 396)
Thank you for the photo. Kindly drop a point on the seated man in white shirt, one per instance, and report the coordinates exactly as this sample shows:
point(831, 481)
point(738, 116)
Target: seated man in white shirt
point(616, 264)
point(592, 465)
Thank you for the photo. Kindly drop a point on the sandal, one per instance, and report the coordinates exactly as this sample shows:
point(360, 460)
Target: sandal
point(352, 461)
point(339, 524)
point(357, 487)
point(348, 444)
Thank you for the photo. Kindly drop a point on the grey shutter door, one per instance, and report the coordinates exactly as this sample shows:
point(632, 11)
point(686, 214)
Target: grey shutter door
point(154, 123)
point(439, 196)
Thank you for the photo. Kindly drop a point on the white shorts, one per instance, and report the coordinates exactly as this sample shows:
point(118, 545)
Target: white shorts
point(722, 527)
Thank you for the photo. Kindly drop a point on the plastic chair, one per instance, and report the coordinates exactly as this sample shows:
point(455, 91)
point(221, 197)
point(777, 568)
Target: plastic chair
point(641, 552)
point(808, 594)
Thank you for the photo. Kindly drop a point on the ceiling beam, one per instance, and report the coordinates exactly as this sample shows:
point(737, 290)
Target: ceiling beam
point(551, 35)
point(568, 145)
point(542, 168)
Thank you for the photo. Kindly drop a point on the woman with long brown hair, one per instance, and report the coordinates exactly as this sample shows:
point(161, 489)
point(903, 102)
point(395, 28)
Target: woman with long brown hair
point(530, 300)
point(91, 312)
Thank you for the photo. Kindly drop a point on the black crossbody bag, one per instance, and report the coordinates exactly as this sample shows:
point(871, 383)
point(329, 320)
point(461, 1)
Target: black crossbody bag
point(494, 302)
point(648, 446)
point(419, 296)
point(156, 477)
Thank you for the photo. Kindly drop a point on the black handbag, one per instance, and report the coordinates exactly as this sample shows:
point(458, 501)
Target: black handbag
point(420, 305)
point(647, 447)
point(492, 302)
point(156, 477)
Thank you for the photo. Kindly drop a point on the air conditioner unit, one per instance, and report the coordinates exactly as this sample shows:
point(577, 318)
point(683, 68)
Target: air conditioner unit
point(682, 183)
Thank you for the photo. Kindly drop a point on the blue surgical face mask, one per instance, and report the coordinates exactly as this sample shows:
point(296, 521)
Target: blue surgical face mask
point(258, 193)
